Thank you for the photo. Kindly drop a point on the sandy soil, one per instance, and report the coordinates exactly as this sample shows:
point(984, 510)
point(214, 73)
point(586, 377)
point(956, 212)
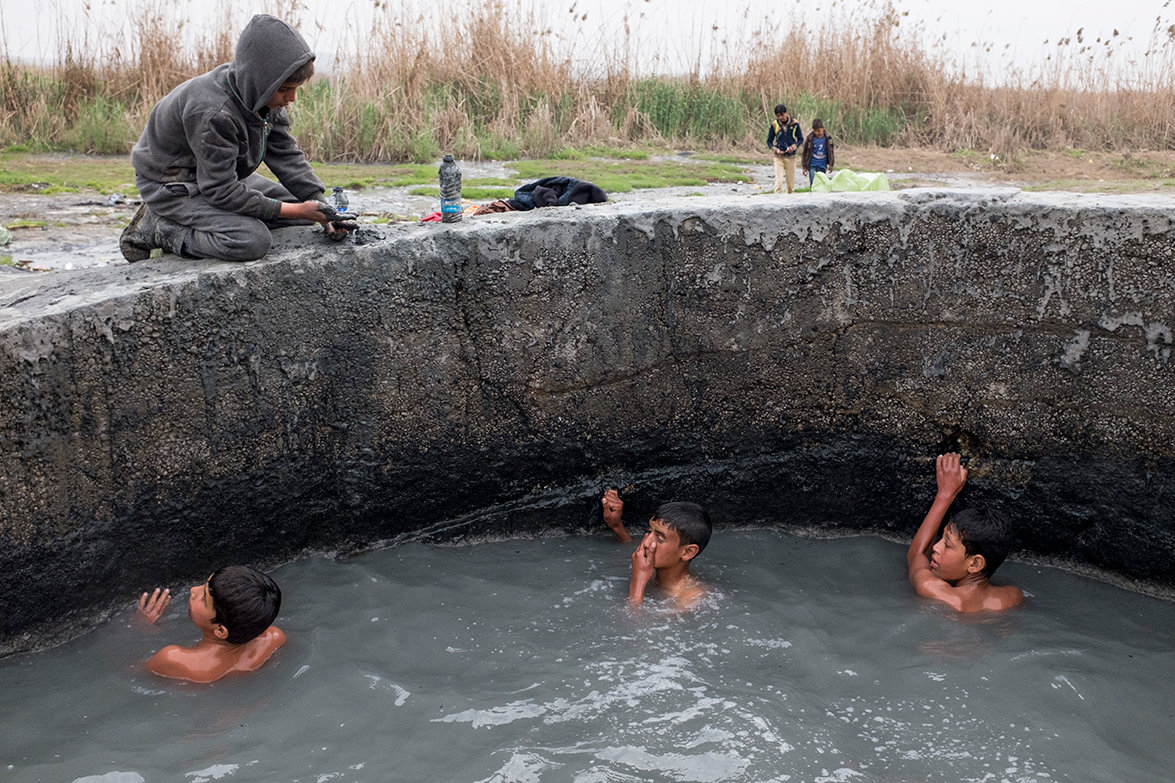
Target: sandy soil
point(81, 229)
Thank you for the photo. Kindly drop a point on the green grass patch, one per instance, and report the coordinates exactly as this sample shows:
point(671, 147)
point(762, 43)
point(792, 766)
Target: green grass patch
point(616, 153)
point(21, 171)
point(623, 176)
point(66, 173)
point(477, 188)
point(1140, 166)
point(355, 176)
point(26, 223)
point(489, 181)
point(611, 175)
point(472, 193)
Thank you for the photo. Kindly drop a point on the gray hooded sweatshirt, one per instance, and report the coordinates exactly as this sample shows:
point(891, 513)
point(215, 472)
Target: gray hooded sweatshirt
point(213, 131)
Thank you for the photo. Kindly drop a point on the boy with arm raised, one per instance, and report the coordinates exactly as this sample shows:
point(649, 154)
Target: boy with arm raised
point(678, 532)
point(956, 568)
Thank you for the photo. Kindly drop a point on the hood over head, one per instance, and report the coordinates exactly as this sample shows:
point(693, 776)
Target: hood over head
point(268, 51)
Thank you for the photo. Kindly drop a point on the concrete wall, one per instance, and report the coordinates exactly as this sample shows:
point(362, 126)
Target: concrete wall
point(789, 361)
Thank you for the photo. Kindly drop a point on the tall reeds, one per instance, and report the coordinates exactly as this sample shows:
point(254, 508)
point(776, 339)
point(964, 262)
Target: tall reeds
point(495, 81)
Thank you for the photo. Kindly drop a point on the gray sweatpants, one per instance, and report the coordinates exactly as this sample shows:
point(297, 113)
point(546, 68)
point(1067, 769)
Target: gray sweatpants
point(205, 231)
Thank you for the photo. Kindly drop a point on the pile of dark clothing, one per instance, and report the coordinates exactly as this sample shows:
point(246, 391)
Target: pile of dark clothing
point(547, 192)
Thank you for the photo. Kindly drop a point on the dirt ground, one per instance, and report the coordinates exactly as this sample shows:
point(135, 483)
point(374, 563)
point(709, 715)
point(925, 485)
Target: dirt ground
point(1078, 171)
point(77, 230)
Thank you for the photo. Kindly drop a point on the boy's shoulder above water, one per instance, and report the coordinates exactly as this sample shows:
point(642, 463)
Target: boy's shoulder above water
point(206, 662)
point(971, 598)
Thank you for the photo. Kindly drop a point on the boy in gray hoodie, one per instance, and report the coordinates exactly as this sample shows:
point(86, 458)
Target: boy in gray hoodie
point(195, 162)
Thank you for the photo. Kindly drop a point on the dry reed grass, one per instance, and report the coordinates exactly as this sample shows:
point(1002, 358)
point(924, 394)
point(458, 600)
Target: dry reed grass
point(495, 81)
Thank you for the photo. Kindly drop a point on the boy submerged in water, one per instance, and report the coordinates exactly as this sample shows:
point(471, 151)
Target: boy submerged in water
point(235, 609)
point(678, 533)
point(958, 569)
point(196, 162)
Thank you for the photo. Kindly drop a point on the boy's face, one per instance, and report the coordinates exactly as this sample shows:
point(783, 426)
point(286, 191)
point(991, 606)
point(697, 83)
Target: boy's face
point(200, 607)
point(819, 133)
point(783, 118)
point(285, 95)
point(203, 611)
point(949, 559)
point(670, 550)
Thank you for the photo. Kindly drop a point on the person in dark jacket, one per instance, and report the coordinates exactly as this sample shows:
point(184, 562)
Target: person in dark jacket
point(784, 139)
point(195, 162)
point(817, 154)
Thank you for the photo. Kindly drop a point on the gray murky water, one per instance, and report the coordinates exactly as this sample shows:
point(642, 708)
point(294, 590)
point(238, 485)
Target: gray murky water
point(518, 661)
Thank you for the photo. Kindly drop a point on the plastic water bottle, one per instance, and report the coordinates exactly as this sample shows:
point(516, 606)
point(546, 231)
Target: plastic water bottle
point(450, 190)
point(339, 198)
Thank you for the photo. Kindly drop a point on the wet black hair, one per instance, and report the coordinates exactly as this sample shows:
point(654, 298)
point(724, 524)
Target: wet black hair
point(780, 108)
point(987, 532)
point(246, 601)
point(302, 74)
point(691, 521)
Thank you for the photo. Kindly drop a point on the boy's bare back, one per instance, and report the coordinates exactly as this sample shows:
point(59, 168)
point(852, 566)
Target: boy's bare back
point(206, 662)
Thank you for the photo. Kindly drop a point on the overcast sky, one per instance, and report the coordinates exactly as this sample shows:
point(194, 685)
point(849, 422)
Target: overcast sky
point(673, 32)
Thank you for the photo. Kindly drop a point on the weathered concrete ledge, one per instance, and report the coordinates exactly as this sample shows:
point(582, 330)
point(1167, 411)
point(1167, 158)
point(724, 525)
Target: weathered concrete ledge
point(791, 361)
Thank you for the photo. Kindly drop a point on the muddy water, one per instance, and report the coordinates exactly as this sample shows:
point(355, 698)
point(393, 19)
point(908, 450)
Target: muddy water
point(518, 661)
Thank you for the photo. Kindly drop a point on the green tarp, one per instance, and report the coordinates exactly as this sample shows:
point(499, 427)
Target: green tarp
point(845, 180)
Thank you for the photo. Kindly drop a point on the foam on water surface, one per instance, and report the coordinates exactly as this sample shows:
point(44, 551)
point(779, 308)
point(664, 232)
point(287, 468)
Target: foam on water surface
point(519, 661)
